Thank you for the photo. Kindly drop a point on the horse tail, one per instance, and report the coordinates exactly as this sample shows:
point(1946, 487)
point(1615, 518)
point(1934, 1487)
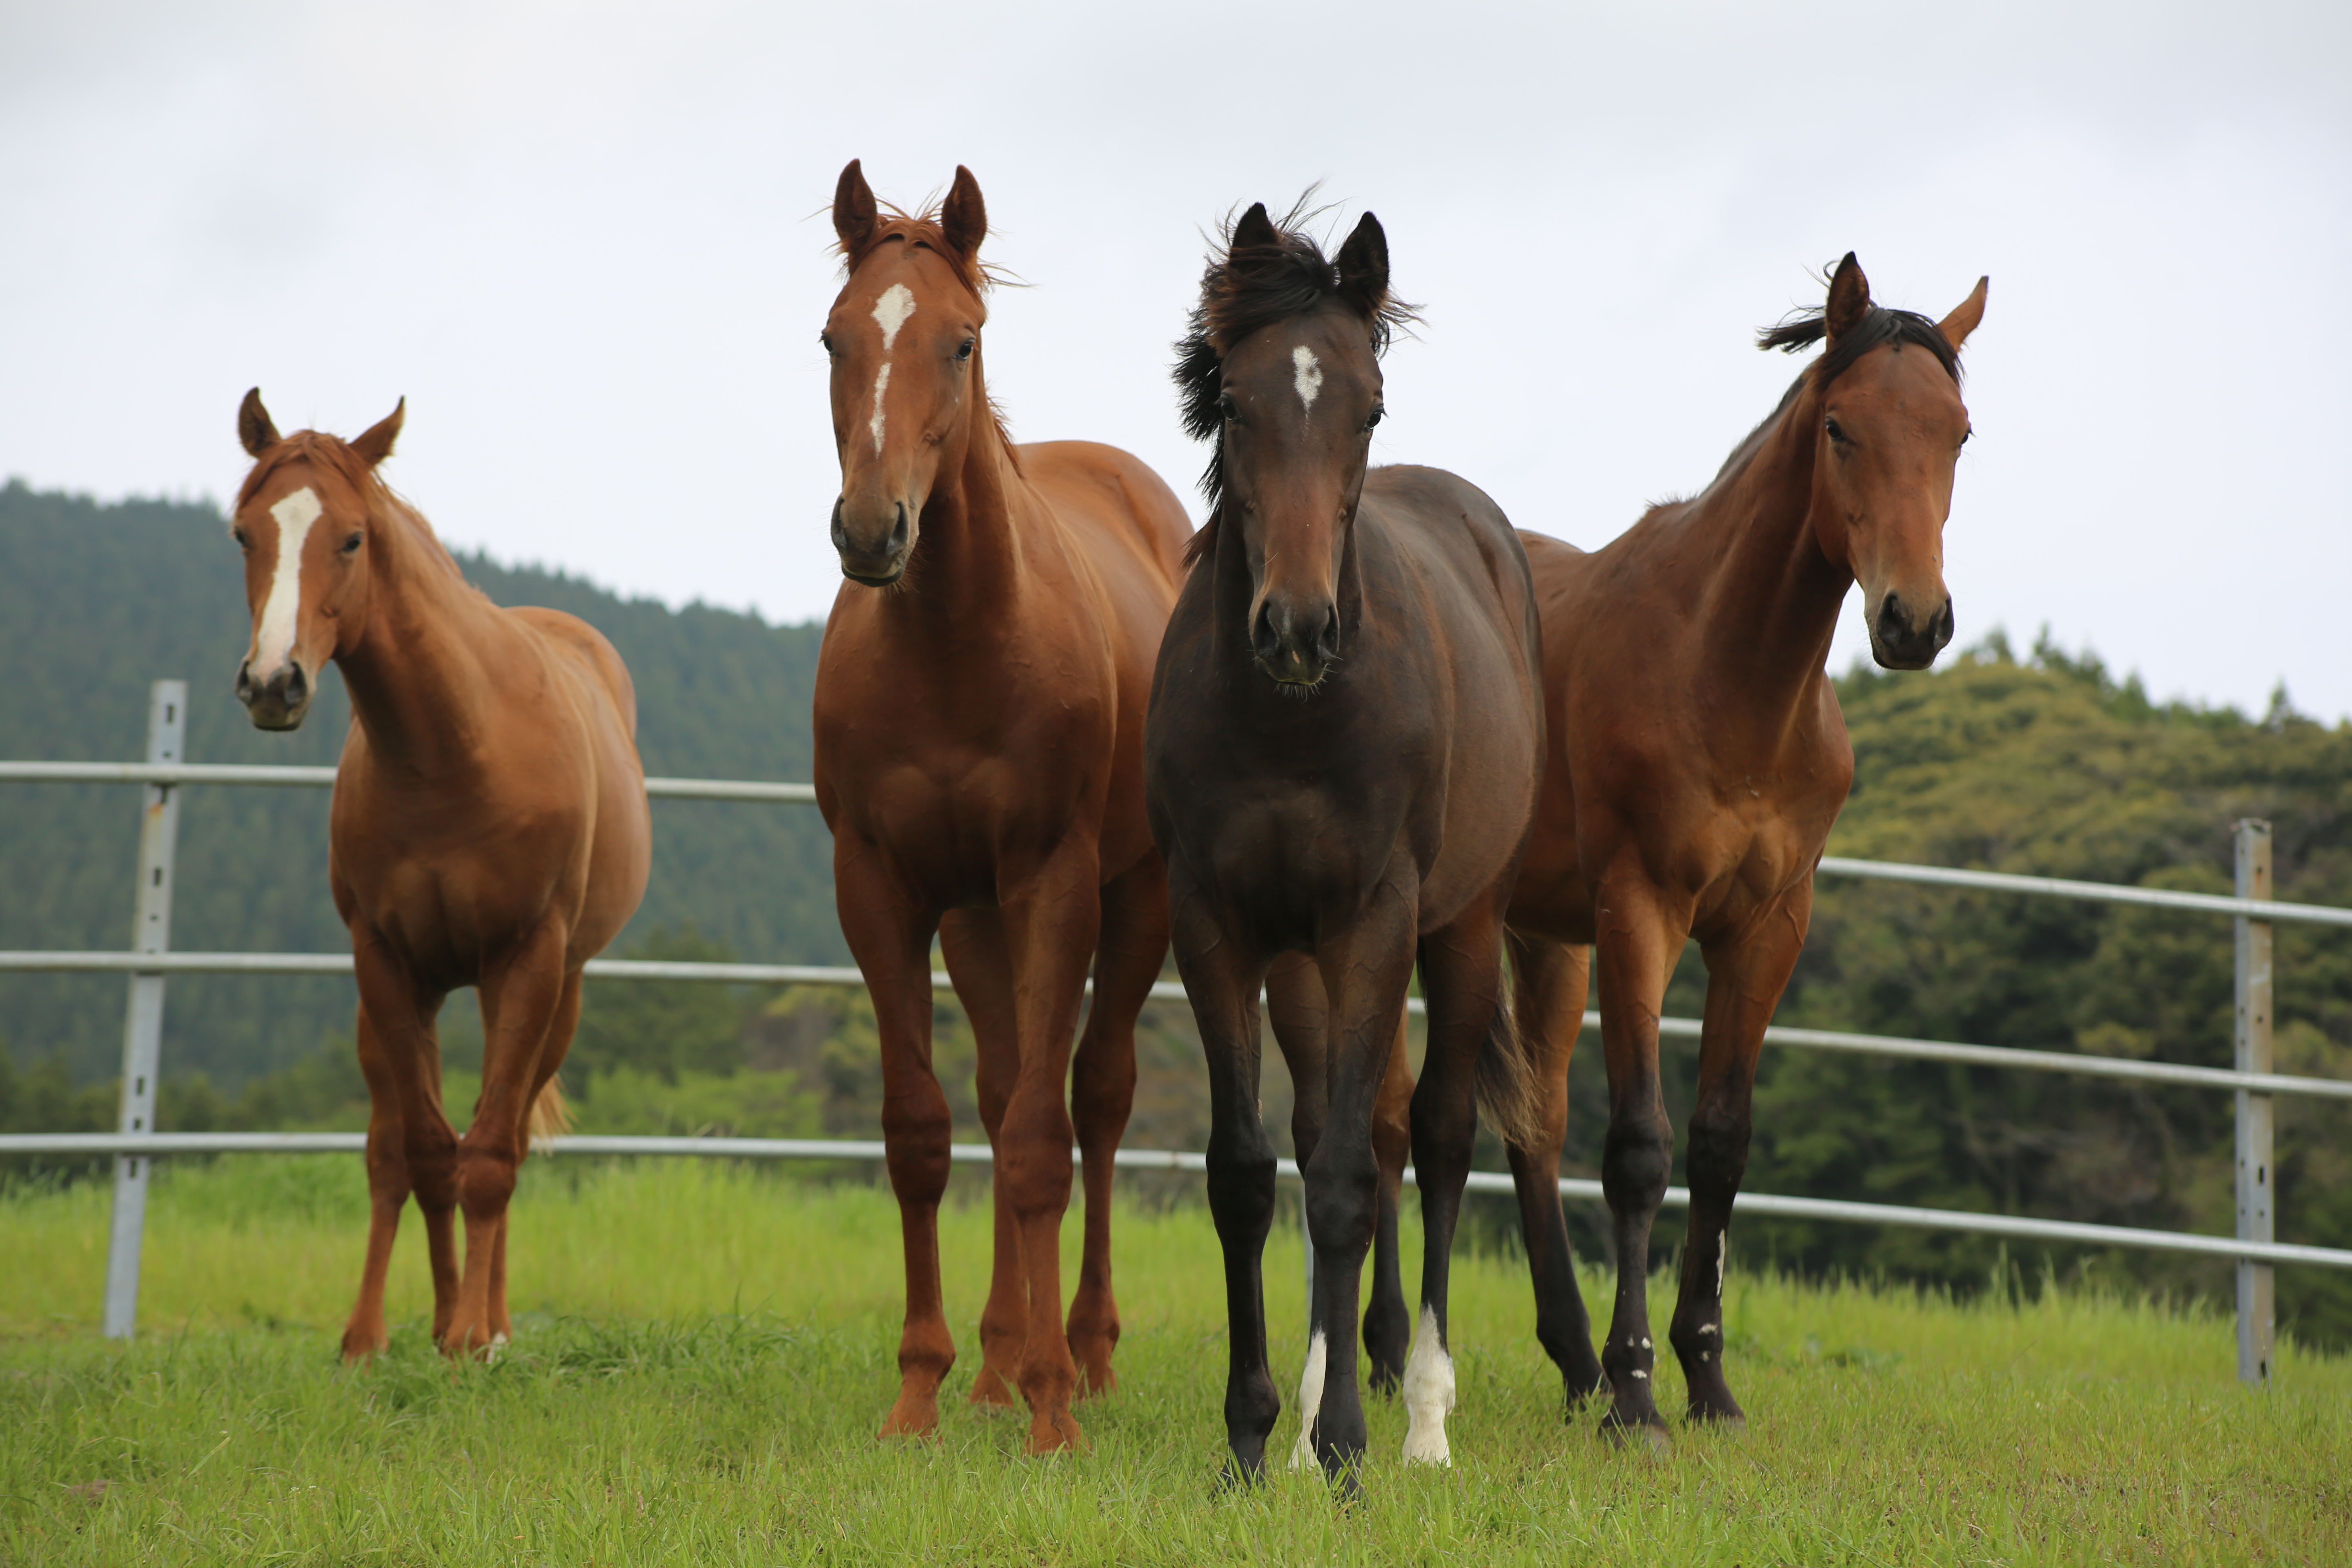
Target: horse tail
point(1506, 1079)
point(550, 1117)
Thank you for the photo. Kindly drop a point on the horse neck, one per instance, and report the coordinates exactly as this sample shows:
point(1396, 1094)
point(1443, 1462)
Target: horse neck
point(417, 677)
point(1770, 606)
point(967, 572)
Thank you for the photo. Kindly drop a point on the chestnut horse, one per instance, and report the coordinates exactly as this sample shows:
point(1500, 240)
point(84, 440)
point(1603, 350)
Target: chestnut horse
point(979, 718)
point(1345, 736)
point(1697, 760)
point(488, 828)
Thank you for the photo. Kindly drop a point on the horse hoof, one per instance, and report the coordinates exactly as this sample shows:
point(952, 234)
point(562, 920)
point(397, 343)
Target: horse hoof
point(1642, 1437)
point(1730, 1421)
point(912, 1416)
point(990, 1392)
point(1056, 1433)
point(1094, 1382)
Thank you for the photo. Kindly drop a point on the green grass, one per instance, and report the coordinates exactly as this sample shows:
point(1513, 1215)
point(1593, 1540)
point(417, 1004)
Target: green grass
point(704, 1354)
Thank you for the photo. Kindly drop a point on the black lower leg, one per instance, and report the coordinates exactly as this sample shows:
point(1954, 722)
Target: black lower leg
point(1718, 1157)
point(1634, 1166)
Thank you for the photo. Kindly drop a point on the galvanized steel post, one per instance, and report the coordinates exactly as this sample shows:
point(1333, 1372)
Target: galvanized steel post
point(142, 1029)
point(2257, 1312)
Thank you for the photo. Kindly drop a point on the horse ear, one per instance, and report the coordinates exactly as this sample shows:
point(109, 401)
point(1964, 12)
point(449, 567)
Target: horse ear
point(1363, 267)
point(1964, 316)
point(853, 210)
point(374, 443)
point(1849, 298)
point(253, 425)
point(1254, 229)
point(963, 218)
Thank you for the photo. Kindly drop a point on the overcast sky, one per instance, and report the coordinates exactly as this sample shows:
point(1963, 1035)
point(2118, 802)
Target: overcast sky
point(588, 243)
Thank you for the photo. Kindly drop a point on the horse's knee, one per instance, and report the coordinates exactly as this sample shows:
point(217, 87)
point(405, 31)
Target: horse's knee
point(1343, 1204)
point(1718, 1152)
point(1240, 1187)
point(1636, 1160)
point(485, 1180)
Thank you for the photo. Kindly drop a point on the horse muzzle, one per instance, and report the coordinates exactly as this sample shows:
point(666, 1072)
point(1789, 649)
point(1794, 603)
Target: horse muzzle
point(872, 548)
point(1295, 644)
point(278, 703)
point(1902, 639)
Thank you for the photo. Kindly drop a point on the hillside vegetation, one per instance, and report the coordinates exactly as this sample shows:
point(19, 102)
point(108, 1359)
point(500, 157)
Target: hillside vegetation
point(2038, 763)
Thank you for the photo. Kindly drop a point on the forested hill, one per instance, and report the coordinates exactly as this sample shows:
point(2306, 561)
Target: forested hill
point(97, 602)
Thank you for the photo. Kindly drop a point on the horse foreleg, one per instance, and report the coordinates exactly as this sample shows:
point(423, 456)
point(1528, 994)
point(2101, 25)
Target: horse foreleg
point(890, 934)
point(1638, 942)
point(408, 1139)
point(521, 998)
point(1051, 925)
point(558, 1045)
point(1462, 977)
point(1366, 970)
point(387, 1170)
point(1550, 981)
point(1222, 987)
point(982, 968)
point(1128, 955)
point(1746, 974)
point(1387, 1325)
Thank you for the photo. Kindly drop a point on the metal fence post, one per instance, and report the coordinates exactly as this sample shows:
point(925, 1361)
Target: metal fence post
point(2257, 1311)
point(142, 1029)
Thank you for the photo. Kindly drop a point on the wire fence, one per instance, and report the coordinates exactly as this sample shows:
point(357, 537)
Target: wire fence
point(150, 961)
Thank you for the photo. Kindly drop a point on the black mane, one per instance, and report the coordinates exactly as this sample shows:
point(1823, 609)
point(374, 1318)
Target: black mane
point(1244, 291)
point(1879, 325)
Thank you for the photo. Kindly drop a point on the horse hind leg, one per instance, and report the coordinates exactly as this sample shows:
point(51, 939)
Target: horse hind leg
point(1128, 955)
point(981, 969)
point(547, 1118)
point(1549, 980)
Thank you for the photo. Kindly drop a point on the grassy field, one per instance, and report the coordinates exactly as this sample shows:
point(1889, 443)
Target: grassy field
point(704, 1352)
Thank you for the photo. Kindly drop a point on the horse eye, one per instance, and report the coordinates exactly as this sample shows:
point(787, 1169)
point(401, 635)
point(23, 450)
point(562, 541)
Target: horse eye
point(351, 545)
point(1377, 414)
point(824, 342)
point(963, 351)
point(1965, 433)
point(1229, 408)
point(244, 539)
point(1837, 432)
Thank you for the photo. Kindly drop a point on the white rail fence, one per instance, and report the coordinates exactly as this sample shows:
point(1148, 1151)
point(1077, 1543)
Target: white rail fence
point(150, 961)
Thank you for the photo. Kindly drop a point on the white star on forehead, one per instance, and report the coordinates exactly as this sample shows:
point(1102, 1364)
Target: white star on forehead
point(1309, 379)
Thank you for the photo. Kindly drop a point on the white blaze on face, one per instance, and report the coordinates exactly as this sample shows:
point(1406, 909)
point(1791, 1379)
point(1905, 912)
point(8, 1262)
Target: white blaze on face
point(273, 644)
point(890, 313)
point(1310, 1400)
point(881, 385)
point(1308, 378)
point(1428, 1394)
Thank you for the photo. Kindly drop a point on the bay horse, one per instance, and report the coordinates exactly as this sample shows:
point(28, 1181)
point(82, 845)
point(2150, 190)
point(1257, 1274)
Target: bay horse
point(489, 828)
point(979, 724)
point(1695, 761)
point(1345, 735)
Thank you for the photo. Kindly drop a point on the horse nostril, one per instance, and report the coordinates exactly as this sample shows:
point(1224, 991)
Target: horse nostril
point(840, 536)
point(298, 687)
point(1264, 641)
point(1326, 641)
point(244, 683)
point(898, 533)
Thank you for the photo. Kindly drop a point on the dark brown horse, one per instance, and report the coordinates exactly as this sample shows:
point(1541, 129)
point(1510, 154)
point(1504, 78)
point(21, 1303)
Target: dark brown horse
point(488, 828)
point(980, 703)
point(1345, 737)
point(1697, 760)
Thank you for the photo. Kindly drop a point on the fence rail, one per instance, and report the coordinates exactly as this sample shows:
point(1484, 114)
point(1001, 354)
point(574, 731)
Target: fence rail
point(150, 961)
